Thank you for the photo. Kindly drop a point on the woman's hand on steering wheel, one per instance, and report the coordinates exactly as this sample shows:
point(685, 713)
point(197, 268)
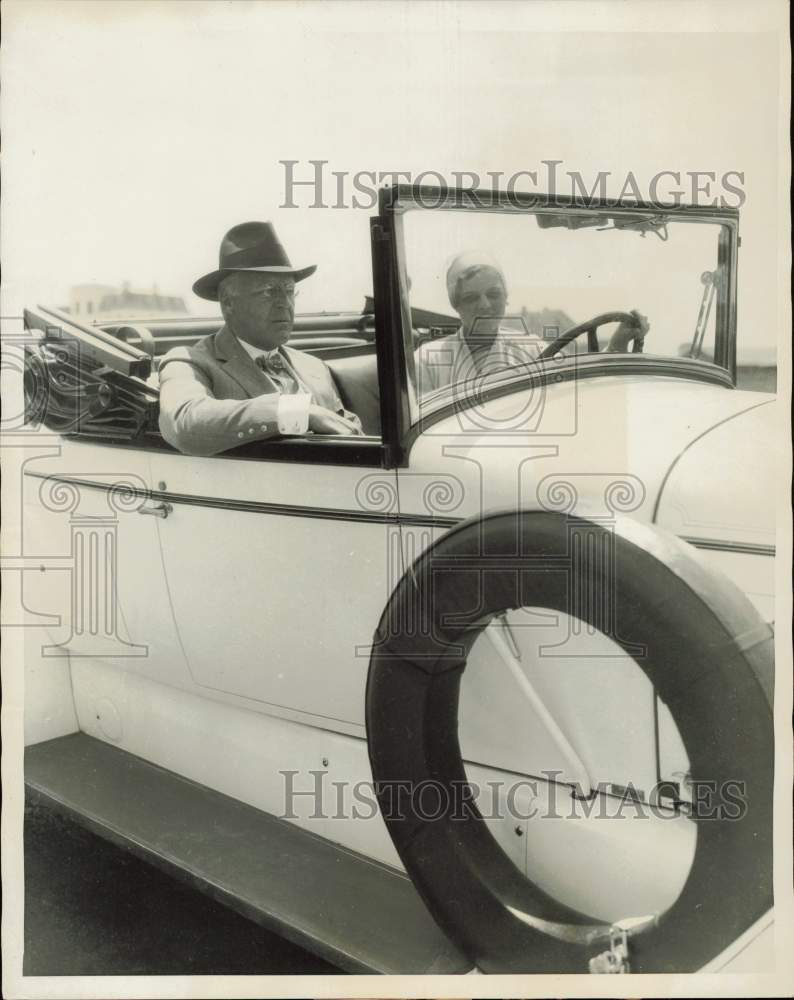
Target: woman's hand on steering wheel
point(633, 327)
point(628, 332)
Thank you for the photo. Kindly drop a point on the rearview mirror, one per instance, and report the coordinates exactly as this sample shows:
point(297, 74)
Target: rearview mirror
point(550, 220)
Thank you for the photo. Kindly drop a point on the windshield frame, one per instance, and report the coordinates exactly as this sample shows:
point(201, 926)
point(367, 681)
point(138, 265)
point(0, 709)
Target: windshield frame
point(396, 201)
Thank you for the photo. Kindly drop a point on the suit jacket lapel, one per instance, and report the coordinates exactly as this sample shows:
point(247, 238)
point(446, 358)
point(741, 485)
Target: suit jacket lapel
point(240, 365)
point(314, 380)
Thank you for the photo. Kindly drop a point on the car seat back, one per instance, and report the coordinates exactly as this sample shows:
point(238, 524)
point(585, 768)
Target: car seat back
point(356, 379)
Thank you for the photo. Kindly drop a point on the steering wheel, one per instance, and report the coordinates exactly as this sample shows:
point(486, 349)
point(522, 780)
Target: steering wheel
point(589, 327)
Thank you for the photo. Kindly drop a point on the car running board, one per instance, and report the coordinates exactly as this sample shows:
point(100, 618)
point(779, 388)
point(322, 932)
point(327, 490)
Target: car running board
point(356, 913)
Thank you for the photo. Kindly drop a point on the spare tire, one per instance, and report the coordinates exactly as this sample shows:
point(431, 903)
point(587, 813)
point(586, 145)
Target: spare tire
point(708, 655)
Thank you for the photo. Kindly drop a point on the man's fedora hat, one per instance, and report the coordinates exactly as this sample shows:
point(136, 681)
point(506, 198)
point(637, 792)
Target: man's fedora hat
point(251, 246)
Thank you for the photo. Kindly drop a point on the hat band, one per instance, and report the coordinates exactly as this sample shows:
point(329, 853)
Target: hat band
point(255, 256)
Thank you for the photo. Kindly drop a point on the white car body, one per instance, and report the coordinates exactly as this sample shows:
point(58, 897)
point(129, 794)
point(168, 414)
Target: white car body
point(246, 616)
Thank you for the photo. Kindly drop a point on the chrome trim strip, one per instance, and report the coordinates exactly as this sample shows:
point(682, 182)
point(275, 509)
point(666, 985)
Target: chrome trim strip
point(343, 514)
point(260, 507)
point(715, 545)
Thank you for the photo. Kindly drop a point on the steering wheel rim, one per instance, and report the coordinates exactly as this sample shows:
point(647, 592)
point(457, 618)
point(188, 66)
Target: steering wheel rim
point(589, 327)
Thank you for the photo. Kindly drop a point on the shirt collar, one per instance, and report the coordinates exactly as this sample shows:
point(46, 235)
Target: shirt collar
point(256, 352)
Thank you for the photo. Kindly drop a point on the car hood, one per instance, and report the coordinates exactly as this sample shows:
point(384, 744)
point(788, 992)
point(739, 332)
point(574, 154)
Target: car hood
point(600, 446)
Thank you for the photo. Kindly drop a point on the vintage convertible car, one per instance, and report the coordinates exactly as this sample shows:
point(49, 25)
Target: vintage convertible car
point(488, 688)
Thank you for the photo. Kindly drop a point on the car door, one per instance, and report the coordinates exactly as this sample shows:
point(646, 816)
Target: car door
point(93, 548)
point(278, 566)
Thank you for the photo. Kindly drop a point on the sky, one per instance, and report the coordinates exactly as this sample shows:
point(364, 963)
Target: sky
point(137, 133)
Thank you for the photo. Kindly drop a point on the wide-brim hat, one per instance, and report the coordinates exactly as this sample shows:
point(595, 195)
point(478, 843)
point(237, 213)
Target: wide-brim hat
point(251, 246)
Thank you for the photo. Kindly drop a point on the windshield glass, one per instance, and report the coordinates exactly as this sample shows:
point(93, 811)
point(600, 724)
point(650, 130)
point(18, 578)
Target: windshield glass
point(495, 292)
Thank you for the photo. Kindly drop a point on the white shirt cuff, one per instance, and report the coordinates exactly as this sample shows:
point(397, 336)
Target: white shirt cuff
point(293, 412)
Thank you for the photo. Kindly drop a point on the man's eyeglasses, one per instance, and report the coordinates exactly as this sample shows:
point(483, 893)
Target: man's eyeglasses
point(273, 289)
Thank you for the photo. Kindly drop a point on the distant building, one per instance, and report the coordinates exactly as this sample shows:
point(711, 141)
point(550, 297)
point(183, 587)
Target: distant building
point(107, 302)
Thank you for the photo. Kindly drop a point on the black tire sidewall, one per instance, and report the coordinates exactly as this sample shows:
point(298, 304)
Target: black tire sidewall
point(715, 681)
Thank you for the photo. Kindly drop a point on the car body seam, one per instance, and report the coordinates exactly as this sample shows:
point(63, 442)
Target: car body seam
point(685, 449)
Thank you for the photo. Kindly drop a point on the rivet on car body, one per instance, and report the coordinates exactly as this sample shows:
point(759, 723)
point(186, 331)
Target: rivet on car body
point(325, 762)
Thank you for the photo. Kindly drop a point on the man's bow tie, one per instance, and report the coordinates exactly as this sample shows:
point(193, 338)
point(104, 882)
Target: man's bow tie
point(275, 362)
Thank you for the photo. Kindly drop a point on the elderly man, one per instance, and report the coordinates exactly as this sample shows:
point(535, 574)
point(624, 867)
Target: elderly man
point(478, 293)
point(242, 384)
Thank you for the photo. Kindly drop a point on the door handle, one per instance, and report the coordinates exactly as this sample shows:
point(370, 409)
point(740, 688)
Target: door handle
point(156, 509)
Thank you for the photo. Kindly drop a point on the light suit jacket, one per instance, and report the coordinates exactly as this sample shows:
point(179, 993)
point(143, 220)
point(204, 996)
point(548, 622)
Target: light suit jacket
point(213, 396)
